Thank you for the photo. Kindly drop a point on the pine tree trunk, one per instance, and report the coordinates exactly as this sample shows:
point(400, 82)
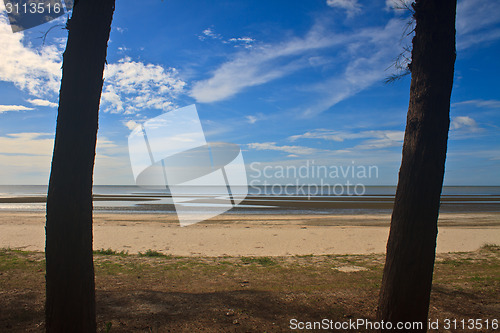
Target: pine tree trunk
point(70, 303)
point(407, 278)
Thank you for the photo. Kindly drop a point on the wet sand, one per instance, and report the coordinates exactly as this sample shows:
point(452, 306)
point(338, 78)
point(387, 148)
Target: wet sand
point(251, 235)
point(154, 203)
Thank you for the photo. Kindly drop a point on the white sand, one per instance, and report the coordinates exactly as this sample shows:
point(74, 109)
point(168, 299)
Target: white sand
point(251, 235)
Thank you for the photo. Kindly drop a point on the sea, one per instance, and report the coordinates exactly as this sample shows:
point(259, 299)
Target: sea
point(274, 199)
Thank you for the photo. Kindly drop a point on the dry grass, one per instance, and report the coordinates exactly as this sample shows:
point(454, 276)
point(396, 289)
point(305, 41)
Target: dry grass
point(153, 293)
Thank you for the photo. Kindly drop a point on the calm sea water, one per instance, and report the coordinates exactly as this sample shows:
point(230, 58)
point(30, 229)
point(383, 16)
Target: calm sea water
point(268, 199)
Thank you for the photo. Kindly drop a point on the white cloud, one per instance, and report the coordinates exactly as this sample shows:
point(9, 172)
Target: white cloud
point(295, 150)
point(460, 122)
point(492, 104)
point(6, 108)
point(131, 124)
point(123, 49)
point(242, 39)
point(132, 86)
point(375, 139)
point(246, 42)
point(129, 86)
point(42, 102)
point(36, 71)
point(251, 119)
point(464, 125)
point(351, 7)
point(209, 33)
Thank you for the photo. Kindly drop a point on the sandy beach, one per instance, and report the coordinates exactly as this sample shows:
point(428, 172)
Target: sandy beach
point(251, 235)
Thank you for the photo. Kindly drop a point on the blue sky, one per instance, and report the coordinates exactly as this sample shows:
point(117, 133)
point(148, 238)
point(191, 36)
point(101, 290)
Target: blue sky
point(291, 82)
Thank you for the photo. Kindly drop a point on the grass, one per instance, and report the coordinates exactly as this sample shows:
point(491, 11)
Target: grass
point(305, 256)
point(263, 261)
point(153, 253)
point(110, 252)
point(490, 247)
point(137, 291)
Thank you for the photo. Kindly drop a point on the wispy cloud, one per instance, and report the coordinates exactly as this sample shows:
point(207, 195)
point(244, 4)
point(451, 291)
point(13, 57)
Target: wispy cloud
point(362, 69)
point(252, 119)
point(476, 22)
point(491, 104)
point(27, 144)
point(352, 7)
point(210, 34)
point(382, 139)
point(357, 69)
point(375, 139)
point(25, 159)
point(465, 127)
point(463, 122)
point(296, 150)
point(6, 108)
point(261, 65)
point(322, 134)
point(42, 102)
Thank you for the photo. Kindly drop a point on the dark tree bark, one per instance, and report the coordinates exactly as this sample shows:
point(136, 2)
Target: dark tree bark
point(407, 278)
point(70, 304)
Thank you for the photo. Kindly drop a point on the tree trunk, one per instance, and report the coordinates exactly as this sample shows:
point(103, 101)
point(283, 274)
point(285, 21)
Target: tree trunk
point(411, 248)
point(70, 304)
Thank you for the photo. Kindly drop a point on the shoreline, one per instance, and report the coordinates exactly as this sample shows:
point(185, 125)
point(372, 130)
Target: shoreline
point(252, 235)
point(258, 204)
